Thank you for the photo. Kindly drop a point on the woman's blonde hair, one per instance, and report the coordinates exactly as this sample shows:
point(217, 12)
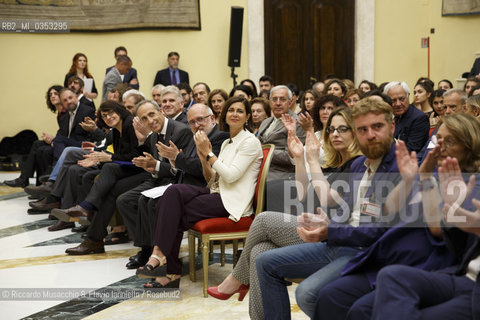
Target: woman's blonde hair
point(466, 130)
point(333, 158)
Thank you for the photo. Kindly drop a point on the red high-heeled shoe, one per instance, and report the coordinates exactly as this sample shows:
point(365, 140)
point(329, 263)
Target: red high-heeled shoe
point(243, 289)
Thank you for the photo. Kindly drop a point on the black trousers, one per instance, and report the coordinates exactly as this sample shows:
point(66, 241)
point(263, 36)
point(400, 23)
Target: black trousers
point(138, 212)
point(106, 208)
point(180, 207)
point(39, 159)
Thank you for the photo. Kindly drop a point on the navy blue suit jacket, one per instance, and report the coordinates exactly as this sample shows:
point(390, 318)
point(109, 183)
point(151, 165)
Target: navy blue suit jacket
point(163, 77)
point(402, 244)
point(413, 128)
point(77, 135)
point(384, 180)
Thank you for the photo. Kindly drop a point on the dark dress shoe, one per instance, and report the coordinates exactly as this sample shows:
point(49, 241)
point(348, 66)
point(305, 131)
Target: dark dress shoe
point(80, 229)
point(50, 217)
point(44, 178)
point(74, 214)
point(40, 191)
point(35, 201)
point(16, 183)
point(43, 205)
point(35, 211)
point(136, 262)
point(60, 225)
point(132, 257)
point(87, 246)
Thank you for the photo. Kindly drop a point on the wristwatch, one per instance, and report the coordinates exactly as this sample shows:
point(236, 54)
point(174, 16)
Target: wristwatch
point(210, 155)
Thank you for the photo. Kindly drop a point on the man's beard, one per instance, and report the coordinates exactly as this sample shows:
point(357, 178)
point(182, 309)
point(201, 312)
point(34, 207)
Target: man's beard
point(378, 150)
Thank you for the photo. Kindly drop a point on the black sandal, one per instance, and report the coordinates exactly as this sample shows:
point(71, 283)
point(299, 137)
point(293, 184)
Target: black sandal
point(117, 238)
point(174, 283)
point(149, 271)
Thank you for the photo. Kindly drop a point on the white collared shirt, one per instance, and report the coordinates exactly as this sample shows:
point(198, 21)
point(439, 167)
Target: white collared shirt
point(473, 269)
point(162, 132)
point(72, 117)
point(365, 183)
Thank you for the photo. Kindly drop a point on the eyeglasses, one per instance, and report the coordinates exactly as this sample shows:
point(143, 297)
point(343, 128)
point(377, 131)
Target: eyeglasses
point(447, 142)
point(107, 115)
point(339, 129)
point(200, 121)
point(281, 99)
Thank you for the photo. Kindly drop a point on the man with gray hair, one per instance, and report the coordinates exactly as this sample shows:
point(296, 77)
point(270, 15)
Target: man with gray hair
point(411, 124)
point(454, 101)
point(138, 211)
point(272, 131)
point(282, 168)
point(130, 100)
point(172, 104)
point(157, 93)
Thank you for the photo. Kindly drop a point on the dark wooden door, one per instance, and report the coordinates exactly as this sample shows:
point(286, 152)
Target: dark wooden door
point(309, 39)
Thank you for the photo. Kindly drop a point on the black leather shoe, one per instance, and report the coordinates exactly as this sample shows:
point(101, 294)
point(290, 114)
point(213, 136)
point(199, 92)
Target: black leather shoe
point(35, 211)
point(44, 178)
point(87, 246)
point(137, 262)
point(16, 183)
point(80, 229)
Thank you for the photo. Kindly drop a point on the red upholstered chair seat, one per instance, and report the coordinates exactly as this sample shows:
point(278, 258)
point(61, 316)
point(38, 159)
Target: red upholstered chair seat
point(221, 229)
point(222, 225)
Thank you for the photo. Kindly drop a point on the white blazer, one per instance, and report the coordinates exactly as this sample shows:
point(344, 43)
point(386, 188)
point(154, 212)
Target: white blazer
point(238, 165)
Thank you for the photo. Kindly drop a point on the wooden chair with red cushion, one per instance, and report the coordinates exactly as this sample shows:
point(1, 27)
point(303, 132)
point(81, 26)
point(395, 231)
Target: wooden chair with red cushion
point(225, 229)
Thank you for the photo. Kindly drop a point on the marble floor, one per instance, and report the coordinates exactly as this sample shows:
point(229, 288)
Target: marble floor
point(39, 281)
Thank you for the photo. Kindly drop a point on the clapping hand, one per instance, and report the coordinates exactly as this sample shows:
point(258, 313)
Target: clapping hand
point(88, 124)
point(141, 130)
point(47, 138)
point(305, 121)
point(295, 146)
point(289, 122)
point(466, 220)
point(313, 228)
point(406, 162)
point(312, 146)
point(147, 162)
point(204, 147)
point(453, 188)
